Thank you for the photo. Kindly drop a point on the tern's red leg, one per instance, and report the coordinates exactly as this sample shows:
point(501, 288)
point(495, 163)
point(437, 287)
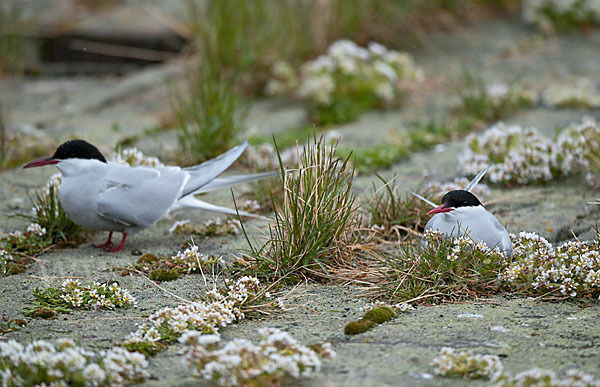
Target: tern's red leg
point(119, 247)
point(106, 244)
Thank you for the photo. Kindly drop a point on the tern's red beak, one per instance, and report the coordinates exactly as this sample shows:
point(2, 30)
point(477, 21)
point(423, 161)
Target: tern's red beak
point(42, 162)
point(440, 209)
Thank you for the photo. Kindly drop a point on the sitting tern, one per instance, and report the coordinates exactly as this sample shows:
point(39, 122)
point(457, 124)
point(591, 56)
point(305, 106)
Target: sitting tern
point(462, 214)
point(105, 196)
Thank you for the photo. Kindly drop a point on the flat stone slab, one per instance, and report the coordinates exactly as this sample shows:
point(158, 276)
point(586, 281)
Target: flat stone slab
point(525, 332)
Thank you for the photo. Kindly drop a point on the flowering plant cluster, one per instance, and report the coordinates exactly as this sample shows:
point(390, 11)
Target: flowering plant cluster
point(41, 363)
point(276, 357)
point(561, 15)
point(17, 247)
point(465, 364)
point(73, 294)
point(222, 307)
point(95, 295)
point(573, 267)
point(521, 156)
point(463, 247)
point(210, 227)
point(493, 100)
point(194, 261)
point(168, 268)
point(582, 94)
point(579, 150)
point(518, 94)
point(49, 226)
point(135, 158)
point(490, 101)
point(516, 155)
point(347, 80)
point(541, 377)
point(48, 202)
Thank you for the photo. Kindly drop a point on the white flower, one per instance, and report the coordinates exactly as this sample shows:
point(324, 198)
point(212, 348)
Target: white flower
point(94, 374)
point(36, 229)
point(386, 70)
point(385, 91)
point(377, 49)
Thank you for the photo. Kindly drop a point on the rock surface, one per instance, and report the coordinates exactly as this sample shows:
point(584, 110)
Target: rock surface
point(525, 332)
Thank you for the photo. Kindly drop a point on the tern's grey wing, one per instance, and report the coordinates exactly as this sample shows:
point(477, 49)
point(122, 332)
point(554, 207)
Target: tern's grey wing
point(139, 197)
point(505, 243)
point(204, 173)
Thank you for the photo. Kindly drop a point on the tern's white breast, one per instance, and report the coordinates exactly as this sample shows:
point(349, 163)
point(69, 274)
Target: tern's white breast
point(474, 222)
point(79, 189)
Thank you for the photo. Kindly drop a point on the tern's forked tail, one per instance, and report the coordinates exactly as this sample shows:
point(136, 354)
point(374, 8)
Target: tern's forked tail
point(192, 202)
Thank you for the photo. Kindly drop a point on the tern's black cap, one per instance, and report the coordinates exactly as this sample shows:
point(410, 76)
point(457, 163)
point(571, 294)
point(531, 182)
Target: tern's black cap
point(78, 149)
point(460, 198)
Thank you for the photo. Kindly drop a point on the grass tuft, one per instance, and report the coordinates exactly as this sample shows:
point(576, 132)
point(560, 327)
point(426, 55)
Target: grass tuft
point(50, 214)
point(209, 113)
point(315, 226)
point(16, 49)
point(395, 215)
point(442, 270)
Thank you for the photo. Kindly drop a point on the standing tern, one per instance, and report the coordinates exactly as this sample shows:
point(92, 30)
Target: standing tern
point(110, 197)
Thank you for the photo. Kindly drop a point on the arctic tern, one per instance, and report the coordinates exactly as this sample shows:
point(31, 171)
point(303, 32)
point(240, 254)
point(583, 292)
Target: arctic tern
point(105, 196)
point(462, 214)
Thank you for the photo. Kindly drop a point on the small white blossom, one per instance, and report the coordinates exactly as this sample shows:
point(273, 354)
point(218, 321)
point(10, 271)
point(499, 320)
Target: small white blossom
point(36, 229)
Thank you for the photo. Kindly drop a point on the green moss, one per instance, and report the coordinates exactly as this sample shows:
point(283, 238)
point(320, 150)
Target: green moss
point(164, 275)
point(380, 315)
point(357, 327)
point(369, 320)
point(45, 313)
point(147, 258)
